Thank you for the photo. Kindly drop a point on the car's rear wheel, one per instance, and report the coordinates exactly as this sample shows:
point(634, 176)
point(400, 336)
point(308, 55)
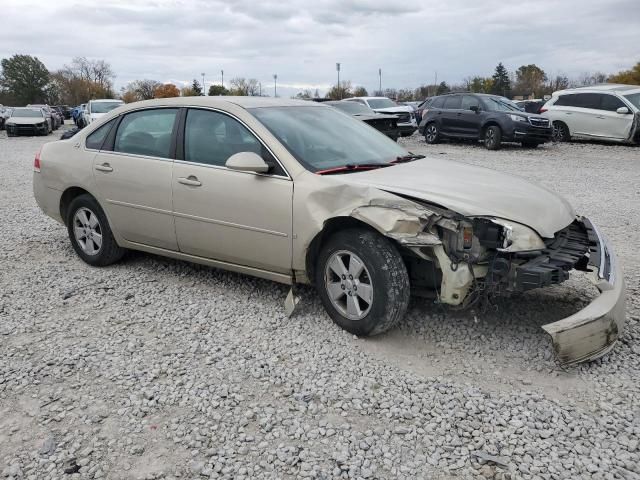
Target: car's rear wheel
point(432, 133)
point(90, 233)
point(492, 137)
point(362, 281)
point(561, 132)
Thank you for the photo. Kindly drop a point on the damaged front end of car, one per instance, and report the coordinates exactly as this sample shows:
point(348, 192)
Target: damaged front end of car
point(469, 260)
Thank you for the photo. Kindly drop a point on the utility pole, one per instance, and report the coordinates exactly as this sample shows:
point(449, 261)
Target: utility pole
point(259, 89)
point(204, 91)
point(275, 85)
point(338, 70)
point(222, 72)
point(436, 84)
point(380, 78)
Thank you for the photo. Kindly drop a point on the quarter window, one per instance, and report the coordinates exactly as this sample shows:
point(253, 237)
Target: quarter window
point(95, 140)
point(453, 102)
point(147, 132)
point(212, 137)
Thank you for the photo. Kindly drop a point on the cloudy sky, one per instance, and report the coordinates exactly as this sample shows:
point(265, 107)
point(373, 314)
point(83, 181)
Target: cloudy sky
point(301, 40)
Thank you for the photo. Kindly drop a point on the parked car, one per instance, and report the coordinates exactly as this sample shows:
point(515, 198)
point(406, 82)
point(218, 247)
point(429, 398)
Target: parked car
point(60, 113)
point(76, 114)
point(54, 117)
point(28, 121)
point(299, 193)
point(531, 106)
point(66, 111)
point(387, 124)
point(406, 116)
point(96, 109)
point(607, 112)
point(490, 118)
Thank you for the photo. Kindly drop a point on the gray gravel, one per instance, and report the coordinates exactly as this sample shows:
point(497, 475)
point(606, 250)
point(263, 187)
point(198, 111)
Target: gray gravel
point(158, 369)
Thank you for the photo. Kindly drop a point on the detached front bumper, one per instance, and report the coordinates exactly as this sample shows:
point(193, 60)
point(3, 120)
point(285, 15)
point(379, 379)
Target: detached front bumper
point(594, 330)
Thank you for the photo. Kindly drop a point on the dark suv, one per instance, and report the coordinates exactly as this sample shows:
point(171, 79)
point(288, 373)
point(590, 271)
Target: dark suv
point(490, 118)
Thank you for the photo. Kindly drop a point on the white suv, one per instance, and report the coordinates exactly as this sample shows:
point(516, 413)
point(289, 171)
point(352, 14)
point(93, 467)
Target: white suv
point(99, 108)
point(406, 115)
point(604, 112)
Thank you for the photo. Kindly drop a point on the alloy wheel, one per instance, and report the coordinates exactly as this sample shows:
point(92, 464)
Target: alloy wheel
point(87, 231)
point(348, 284)
point(432, 133)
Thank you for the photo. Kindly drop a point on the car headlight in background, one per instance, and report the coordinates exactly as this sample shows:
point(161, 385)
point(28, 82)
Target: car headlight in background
point(518, 237)
point(518, 118)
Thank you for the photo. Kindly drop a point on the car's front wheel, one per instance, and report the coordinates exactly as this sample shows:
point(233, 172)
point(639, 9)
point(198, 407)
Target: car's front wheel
point(90, 233)
point(432, 133)
point(560, 132)
point(492, 137)
point(362, 281)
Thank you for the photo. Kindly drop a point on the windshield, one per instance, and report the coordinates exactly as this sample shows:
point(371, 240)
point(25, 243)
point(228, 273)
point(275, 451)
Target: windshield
point(353, 108)
point(634, 98)
point(501, 104)
point(104, 107)
point(26, 112)
point(381, 103)
point(321, 138)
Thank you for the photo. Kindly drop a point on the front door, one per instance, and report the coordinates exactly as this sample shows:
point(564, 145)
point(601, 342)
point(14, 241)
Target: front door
point(133, 177)
point(611, 123)
point(227, 215)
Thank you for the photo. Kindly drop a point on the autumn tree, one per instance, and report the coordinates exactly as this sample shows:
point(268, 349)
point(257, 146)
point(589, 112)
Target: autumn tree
point(530, 80)
point(215, 90)
point(168, 90)
point(501, 83)
point(24, 79)
point(188, 91)
point(478, 84)
point(629, 77)
point(83, 80)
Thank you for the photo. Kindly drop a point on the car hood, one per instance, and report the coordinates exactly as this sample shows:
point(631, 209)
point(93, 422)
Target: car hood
point(365, 118)
point(25, 120)
point(473, 191)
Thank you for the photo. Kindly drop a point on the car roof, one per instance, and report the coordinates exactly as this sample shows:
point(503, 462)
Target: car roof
point(367, 98)
point(603, 87)
point(106, 100)
point(220, 101)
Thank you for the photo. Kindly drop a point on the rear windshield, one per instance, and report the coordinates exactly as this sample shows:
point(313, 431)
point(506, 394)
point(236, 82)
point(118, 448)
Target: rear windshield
point(26, 112)
point(634, 98)
point(381, 103)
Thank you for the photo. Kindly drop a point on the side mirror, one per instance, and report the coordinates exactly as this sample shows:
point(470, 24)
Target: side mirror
point(474, 108)
point(622, 110)
point(247, 162)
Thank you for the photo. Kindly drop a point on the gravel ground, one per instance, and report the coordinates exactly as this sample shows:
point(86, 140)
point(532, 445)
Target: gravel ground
point(155, 368)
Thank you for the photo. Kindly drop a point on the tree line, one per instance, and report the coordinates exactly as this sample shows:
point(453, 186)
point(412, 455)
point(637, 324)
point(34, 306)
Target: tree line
point(25, 79)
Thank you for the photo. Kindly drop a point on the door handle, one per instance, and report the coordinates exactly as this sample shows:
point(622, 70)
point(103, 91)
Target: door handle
point(105, 167)
point(191, 180)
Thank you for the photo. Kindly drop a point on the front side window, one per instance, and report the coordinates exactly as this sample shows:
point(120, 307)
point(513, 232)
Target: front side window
point(453, 102)
point(147, 132)
point(321, 138)
point(469, 101)
point(95, 139)
point(438, 103)
point(610, 103)
point(500, 104)
point(212, 137)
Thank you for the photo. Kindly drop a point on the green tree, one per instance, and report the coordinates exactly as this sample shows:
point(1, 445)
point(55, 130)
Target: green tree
point(215, 90)
point(501, 83)
point(338, 92)
point(629, 77)
point(24, 78)
point(443, 88)
point(530, 80)
point(196, 88)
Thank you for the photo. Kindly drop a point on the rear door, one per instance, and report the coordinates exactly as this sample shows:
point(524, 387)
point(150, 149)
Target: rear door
point(610, 123)
point(133, 175)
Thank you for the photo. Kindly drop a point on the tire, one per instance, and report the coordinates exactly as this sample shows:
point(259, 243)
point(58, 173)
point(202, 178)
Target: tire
point(561, 132)
point(431, 133)
point(86, 216)
point(530, 144)
point(492, 137)
point(383, 303)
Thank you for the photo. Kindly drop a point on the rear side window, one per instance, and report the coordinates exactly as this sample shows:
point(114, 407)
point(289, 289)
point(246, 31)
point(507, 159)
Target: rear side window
point(469, 101)
point(580, 100)
point(147, 132)
point(95, 140)
point(610, 103)
point(453, 102)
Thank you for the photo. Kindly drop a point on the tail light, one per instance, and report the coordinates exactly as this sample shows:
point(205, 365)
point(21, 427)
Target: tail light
point(36, 162)
point(542, 110)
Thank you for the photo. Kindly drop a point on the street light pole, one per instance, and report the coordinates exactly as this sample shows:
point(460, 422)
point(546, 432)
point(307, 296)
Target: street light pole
point(222, 72)
point(380, 78)
point(275, 85)
point(338, 70)
point(204, 91)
